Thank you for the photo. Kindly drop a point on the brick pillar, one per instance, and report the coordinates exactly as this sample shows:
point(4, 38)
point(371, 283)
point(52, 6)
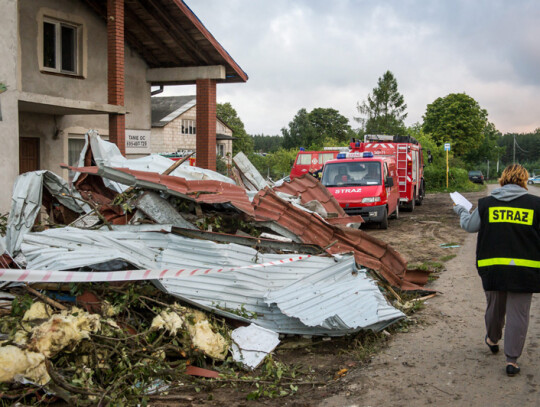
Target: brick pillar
point(115, 71)
point(206, 123)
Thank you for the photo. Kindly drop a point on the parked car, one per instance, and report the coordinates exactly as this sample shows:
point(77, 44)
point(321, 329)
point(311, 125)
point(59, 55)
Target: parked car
point(476, 176)
point(534, 180)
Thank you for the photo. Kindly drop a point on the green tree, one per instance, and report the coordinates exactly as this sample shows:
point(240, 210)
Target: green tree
point(457, 119)
point(527, 148)
point(311, 130)
point(266, 144)
point(384, 110)
point(228, 115)
point(489, 149)
point(330, 124)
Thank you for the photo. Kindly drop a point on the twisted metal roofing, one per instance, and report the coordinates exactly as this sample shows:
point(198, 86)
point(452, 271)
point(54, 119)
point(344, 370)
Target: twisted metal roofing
point(309, 189)
point(317, 296)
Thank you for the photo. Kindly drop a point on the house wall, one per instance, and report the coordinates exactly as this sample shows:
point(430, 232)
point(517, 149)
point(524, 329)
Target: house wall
point(9, 123)
point(169, 139)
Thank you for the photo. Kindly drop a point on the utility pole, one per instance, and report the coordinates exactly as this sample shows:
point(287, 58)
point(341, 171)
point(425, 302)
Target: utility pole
point(514, 159)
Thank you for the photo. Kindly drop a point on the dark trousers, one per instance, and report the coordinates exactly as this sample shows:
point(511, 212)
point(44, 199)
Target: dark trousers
point(516, 307)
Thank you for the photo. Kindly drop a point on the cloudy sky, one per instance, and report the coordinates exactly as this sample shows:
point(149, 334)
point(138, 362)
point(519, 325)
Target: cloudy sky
point(321, 53)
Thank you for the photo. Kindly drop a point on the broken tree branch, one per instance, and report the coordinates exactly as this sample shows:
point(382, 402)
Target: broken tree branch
point(45, 299)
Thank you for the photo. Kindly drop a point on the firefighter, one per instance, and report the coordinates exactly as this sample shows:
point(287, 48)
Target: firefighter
point(507, 259)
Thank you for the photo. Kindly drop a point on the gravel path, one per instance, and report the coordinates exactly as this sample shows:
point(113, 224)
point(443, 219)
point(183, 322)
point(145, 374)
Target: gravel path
point(443, 360)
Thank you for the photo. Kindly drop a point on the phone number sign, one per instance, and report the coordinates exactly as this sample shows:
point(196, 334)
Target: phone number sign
point(137, 141)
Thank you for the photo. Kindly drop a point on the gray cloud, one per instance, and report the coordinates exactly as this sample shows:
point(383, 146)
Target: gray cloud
point(330, 54)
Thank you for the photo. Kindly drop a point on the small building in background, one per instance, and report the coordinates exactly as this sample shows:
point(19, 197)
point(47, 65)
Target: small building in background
point(174, 128)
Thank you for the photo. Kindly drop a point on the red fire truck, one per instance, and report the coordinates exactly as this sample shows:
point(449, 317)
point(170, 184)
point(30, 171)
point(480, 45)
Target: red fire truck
point(376, 176)
point(310, 161)
point(410, 164)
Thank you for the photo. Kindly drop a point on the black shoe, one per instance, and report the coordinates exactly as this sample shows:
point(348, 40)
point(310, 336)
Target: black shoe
point(512, 370)
point(492, 348)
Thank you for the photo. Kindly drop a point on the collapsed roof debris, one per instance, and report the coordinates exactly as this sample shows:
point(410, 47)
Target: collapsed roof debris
point(340, 291)
point(128, 220)
point(251, 178)
point(32, 190)
point(206, 191)
point(309, 190)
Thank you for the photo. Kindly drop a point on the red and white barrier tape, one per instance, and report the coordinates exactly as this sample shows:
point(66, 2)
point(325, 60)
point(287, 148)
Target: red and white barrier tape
point(50, 276)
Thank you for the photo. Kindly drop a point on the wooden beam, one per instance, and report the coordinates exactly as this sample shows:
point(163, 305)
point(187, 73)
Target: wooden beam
point(170, 29)
point(182, 36)
point(152, 36)
point(145, 53)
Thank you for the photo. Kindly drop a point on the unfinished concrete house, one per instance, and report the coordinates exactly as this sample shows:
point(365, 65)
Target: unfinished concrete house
point(73, 65)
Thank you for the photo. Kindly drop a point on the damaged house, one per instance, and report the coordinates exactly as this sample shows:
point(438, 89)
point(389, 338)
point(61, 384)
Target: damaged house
point(73, 65)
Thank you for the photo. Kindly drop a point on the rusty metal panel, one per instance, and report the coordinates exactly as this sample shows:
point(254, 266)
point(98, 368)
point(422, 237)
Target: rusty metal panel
point(207, 191)
point(309, 189)
point(311, 229)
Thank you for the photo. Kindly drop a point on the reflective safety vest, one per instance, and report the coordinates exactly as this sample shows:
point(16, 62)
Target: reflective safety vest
point(508, 248)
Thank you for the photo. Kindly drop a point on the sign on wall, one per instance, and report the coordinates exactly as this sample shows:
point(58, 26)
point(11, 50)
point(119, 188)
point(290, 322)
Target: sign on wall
point(137, 141)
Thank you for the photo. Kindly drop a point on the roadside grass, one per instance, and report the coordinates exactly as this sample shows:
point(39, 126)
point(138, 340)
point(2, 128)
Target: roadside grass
point(448, 257)
point(465, 187)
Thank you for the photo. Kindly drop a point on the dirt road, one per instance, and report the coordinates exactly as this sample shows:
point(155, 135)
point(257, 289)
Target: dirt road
point(443, 361)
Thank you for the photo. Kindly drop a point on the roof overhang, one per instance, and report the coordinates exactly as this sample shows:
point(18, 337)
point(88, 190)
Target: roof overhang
point(167, 34)
point(187, 75)
point(45, 104)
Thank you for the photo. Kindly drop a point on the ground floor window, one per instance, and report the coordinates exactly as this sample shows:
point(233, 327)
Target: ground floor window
point(75, 146)
point(220, 150)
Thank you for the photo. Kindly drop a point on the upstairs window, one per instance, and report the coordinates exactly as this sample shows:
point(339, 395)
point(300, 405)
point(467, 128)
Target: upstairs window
point(188, 127)
point(60, 47)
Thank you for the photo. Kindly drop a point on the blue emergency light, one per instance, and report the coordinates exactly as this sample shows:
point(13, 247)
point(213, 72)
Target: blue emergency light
point(341, 156)
point(302, 149)
point(368, 154)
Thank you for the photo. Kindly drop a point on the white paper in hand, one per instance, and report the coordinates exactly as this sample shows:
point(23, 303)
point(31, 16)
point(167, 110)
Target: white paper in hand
point(461, 200)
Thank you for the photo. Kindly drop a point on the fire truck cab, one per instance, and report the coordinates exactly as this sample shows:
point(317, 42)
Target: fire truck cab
point(364, 184)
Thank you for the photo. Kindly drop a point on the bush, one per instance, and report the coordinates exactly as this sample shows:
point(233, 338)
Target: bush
point(458, 179)
point(275, 165)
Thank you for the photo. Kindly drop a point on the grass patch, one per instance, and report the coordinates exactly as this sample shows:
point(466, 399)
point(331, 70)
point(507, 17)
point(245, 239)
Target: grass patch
point(448, 257)
point(365, 344)
point(465, 187)
point(433, 266)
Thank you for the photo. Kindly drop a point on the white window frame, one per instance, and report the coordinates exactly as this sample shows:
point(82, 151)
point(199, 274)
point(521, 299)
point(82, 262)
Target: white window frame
point(59, 19)
point(220, 149)
point(58, 46)
point(189, 127)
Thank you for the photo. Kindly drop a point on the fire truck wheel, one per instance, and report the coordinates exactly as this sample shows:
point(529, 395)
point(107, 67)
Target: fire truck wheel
point(384, 221)
point(409, 206)
point(419, 200)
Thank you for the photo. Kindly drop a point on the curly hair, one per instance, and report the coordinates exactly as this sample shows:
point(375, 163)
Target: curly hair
point(514, 174)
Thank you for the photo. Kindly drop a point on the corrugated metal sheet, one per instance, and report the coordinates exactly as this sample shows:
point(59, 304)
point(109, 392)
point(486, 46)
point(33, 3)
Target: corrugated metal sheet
point(207, 191)
point(107, 154)
point(248, 170)
point(26, 203)
point(344, 300)
point(309, 189)
point(312, 229)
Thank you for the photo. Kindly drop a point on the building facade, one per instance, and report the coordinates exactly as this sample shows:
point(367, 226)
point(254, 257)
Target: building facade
point(73, 65)
point(174, 127)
